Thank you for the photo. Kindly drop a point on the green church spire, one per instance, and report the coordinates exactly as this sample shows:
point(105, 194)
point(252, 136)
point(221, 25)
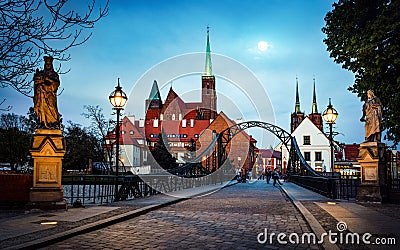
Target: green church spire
point(155, 92)
point(208, 69)
point(297, 107)
point(314, 109)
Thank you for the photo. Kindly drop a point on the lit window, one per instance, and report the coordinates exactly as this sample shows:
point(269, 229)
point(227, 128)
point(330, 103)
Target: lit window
point(131, 132)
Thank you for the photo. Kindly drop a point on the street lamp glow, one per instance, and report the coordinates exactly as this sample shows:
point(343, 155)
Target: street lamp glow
point(330, 114)
point(118, 97)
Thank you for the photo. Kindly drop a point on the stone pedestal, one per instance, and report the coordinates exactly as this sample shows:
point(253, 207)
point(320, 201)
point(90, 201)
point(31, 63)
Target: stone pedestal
point(373, 172)
point(47, 150)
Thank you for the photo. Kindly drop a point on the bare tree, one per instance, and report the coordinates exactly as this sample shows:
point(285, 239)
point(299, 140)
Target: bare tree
point(100, 127)
point(4, 109)
point(30, 29)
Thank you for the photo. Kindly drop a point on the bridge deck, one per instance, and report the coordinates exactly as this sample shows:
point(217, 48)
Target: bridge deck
point(231, 218)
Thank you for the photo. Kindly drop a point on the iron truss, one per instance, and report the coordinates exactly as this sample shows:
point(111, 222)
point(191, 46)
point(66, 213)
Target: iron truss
point(217, 148)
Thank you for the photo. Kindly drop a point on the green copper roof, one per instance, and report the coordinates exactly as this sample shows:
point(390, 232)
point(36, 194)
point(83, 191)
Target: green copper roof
point(154, 93)
point(314, 109)
point(208, 69)
point(297, 107)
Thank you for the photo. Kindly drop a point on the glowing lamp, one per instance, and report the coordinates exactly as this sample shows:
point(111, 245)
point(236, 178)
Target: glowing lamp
point(118, 97)
point(330, 114)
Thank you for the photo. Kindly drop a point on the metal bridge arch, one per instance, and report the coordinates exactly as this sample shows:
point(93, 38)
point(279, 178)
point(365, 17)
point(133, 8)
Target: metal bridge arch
point(217, 150)
point(296, 165)
point(283, 135)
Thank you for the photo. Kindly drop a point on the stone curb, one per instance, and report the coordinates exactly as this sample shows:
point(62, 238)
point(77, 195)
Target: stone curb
point(105, 222)
point(312, 222)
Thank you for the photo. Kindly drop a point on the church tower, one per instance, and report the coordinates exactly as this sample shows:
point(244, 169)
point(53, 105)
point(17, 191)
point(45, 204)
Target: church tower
point(316, 117)
point(154, 101)
point(208, 94)
point(297, 116)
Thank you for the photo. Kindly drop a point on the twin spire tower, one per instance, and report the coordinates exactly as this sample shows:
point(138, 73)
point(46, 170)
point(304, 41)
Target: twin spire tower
point(297, 116)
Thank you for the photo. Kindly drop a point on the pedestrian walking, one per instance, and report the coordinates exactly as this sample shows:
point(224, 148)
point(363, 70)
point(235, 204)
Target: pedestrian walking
point(275, 177)
point(238, 174)
point(268, 174)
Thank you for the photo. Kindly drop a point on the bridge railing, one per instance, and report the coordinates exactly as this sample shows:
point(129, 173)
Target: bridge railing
point(346, 187)
point(322, 185)
point(339, 187)
point(80, 190)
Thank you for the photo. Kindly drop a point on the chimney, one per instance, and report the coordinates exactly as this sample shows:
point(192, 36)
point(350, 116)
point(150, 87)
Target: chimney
point(141, 123)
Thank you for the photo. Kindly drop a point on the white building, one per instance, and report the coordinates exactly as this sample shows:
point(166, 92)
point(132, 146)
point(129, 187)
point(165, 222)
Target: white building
point(313, 144)
point(308, 131)
point(132, 149)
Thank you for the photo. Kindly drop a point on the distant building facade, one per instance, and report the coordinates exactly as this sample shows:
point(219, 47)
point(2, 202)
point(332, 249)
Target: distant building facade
point(346, 163)
point(270, 159)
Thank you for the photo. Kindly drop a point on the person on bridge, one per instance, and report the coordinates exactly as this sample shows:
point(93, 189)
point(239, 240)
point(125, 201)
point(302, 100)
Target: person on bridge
point(268, 174)
point(275, 177)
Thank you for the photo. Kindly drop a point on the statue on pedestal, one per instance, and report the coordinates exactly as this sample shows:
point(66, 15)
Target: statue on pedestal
point(372, 116)
point(48, 145)
point(46, 83)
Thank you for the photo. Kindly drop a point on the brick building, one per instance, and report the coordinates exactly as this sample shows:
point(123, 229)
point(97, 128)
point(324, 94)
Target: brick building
point(183, 124)
point(241, 151)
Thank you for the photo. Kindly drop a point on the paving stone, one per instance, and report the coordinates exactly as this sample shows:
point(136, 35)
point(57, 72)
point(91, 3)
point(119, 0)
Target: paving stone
point(231, 218)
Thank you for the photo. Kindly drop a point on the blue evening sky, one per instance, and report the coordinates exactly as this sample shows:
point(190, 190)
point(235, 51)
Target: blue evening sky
point(138, 35)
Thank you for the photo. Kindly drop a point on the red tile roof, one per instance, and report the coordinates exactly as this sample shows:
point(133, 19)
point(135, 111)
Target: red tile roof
point(270, 153)
point(173, 99)
point(351, 151)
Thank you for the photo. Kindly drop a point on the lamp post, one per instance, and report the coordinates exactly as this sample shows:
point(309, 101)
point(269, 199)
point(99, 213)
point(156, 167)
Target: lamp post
point(118, 99)
point(330, 115)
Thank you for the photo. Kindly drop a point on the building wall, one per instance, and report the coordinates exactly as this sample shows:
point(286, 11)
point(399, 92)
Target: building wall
point(240, 149)
point(318, 143)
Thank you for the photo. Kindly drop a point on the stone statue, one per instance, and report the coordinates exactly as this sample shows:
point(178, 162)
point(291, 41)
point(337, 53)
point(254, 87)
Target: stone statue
point(46, 83)
point(372, 116)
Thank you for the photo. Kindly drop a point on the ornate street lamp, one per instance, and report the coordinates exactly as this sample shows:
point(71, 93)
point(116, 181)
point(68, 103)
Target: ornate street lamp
point(118, 99)
point(330, 115)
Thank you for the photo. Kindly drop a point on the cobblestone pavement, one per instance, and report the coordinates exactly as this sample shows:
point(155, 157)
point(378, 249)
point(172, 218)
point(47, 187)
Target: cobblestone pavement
point(231, 218)
point(329, 223)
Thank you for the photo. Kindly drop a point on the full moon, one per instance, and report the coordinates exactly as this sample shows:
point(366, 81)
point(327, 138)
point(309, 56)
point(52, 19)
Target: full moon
point(262, 45)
